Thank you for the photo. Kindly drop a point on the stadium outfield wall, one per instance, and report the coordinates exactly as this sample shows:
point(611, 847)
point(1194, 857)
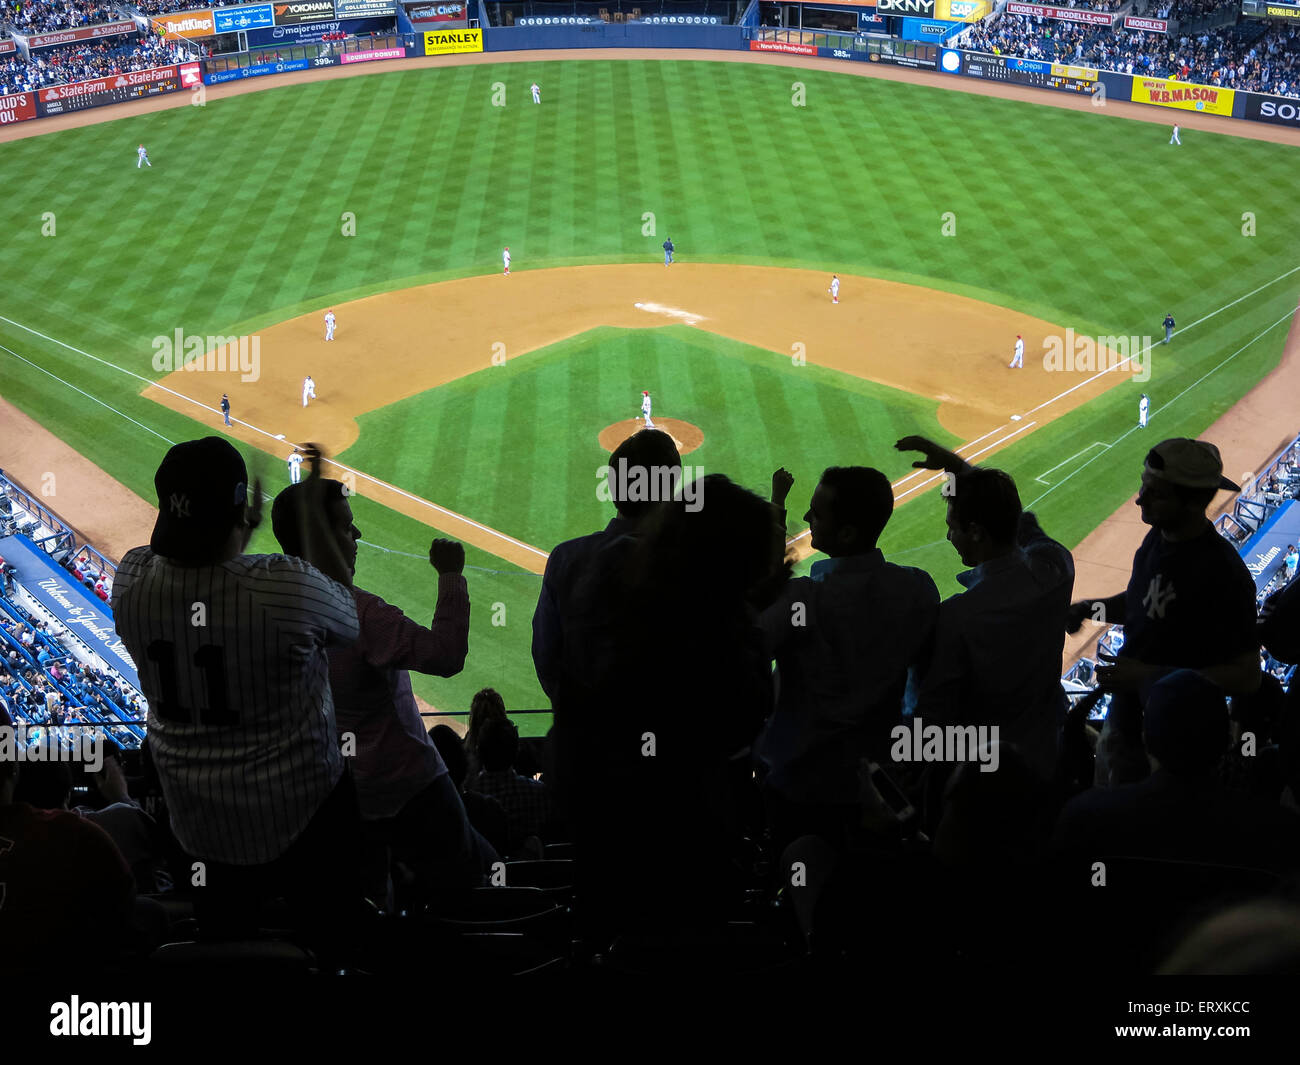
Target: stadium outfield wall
point(570, 34)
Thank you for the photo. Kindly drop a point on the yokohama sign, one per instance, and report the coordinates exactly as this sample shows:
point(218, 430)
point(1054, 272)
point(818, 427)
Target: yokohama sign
point(1063, 14)
point(86, 33)
point(1151, 25)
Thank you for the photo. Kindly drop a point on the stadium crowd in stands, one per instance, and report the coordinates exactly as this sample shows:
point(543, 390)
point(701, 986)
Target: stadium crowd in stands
point(167, 7)
point(1248, 55)
point(39, 16)
point(79, 62)
point(904, 746)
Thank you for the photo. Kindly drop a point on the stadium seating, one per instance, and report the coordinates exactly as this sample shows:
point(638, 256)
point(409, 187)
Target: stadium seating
point(1247, 55)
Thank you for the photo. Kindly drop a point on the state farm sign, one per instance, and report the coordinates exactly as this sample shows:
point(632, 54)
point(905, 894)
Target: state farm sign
point(85, 33)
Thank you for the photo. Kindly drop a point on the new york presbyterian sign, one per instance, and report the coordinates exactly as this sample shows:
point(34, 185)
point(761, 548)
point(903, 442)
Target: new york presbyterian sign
point(234, 19)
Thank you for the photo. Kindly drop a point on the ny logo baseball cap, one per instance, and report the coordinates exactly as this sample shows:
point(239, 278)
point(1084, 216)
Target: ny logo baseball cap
point(202, 486)
point(1190, 463)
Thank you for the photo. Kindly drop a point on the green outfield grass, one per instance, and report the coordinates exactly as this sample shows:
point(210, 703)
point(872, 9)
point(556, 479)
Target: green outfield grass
point(1076, 217)
point(519, 442)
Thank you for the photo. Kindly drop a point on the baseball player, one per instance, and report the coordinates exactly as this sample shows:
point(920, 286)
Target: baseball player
point(834, 290)
point(142, 158)
point(308, 389)
point(295, 466)
point(1169, 327)
point(537, 94)
point(1144, 405)
point(668, 252)
point(505, 259)
point(241, 716)
point(1174, 139)
point(645, 410)
point(1018, 359)
point(329, 325)
point(225, 407)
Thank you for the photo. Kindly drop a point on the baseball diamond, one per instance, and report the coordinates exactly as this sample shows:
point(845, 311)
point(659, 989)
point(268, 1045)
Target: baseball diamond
point(961, 254)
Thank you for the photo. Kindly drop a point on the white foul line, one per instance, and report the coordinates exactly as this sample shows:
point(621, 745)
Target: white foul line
point(1095, 443)
point(163, 388)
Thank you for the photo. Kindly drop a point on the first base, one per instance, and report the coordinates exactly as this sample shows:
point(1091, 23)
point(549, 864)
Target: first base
point(1015, 417)
point(279, 436)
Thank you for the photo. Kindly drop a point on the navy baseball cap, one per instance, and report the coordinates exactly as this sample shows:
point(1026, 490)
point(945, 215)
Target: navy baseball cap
point(202, 486)
point(1186, 723)
point(1189, 463)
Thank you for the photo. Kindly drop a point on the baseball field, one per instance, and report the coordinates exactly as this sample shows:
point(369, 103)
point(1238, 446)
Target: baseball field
point(460, 400)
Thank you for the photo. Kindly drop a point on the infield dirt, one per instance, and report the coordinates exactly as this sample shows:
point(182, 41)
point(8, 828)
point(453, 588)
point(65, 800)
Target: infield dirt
point(952, 349)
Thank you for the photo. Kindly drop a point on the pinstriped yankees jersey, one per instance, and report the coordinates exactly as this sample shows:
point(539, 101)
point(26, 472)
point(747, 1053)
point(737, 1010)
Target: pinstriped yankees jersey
point(232, 660)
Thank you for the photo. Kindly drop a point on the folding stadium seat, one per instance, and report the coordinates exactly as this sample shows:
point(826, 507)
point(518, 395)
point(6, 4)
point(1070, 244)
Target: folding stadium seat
point(258, 957)
point(506, 954)
point(1149, 903)
point(545, 874)
point(739, 948)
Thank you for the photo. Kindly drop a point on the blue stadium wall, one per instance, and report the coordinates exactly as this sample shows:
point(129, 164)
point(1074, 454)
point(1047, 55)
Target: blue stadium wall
point(611, 35)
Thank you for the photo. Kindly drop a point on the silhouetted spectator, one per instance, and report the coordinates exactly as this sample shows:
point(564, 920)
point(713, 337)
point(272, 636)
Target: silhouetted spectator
point(645, 736)
point(644, 470)
point(486, 814)
point(996, 659)
point(1190, 601)
point(245, 741)
point(527, 802)
point(1181, 811)
point(487, 705)
point(408, 802)
point(843, 639)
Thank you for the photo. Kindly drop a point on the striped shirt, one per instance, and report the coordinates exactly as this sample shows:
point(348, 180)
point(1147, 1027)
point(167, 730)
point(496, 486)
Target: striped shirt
point(241, 719)
point(395, 759)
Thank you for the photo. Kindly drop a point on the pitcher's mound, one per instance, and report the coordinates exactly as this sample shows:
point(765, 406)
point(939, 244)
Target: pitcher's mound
point(685, 435)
